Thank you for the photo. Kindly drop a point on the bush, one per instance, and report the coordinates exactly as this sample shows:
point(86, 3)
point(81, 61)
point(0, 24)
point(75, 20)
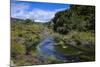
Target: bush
point(77, 18)
point(28, 21)
point(18, 49)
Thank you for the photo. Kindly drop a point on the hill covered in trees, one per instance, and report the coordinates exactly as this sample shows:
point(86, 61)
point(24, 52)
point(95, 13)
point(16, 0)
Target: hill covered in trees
point(78, 17)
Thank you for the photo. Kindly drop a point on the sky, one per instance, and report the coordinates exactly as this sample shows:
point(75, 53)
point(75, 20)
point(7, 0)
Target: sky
point(37, 11)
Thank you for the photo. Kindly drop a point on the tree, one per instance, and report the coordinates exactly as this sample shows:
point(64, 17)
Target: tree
point(28, 21)
point(78, 17)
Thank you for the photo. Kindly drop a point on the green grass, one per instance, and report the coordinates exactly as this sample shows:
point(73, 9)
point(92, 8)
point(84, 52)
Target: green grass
point(67, 51)
point(85, 52)
point(25, 38)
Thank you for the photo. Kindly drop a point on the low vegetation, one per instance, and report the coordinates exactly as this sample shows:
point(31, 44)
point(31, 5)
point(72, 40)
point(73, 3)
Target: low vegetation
point(73, 31)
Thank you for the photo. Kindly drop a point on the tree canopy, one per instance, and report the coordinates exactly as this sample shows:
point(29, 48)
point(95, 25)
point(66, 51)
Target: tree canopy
point(77, 17)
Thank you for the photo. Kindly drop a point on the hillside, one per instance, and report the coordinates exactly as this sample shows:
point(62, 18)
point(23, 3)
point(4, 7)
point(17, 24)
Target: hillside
point(78, 17)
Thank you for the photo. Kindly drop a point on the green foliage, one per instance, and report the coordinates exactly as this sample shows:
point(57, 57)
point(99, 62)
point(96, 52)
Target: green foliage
point(18, 49)
point(88, 36)
point(81, 44)
point(80, 18)
point(76, 23)
point(24, 38)
point(28, 21)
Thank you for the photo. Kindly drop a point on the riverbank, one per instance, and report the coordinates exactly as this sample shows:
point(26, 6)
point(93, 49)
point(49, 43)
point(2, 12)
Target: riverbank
point(26, 37)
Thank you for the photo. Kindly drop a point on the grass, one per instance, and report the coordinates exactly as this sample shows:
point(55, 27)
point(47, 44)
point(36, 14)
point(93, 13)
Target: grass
point(83, 50)
point(25, 38)
point(67, 51)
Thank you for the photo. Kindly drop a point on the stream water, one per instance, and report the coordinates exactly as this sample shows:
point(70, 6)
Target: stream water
point(46, 49)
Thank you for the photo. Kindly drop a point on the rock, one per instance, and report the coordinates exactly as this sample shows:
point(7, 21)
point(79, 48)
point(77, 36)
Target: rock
point(71, 42)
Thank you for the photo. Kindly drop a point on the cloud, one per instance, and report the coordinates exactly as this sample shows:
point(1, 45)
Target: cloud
point(23, 11)
point(41, 15)
point(19, 10)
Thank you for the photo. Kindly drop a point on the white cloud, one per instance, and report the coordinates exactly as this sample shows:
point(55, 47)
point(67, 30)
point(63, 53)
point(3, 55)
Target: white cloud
point(39, 15)
point(19, 10)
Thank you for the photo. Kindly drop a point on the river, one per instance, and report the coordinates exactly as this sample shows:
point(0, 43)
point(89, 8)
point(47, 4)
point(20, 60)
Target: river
point(46, 48)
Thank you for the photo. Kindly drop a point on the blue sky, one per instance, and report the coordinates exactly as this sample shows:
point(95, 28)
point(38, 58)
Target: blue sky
point(37, 11)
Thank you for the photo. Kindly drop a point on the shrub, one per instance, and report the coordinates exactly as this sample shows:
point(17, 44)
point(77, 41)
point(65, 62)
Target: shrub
point(18, 49)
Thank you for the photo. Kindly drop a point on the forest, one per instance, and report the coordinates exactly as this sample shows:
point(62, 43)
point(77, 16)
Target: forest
point(72, 33)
